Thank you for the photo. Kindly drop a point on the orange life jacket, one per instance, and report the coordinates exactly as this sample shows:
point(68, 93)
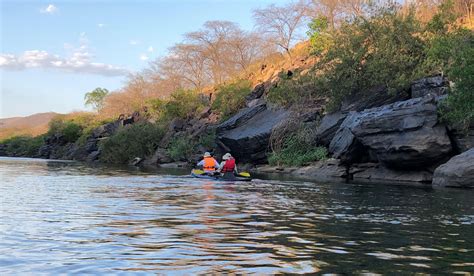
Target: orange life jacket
point(229, 165)
point(209, 164)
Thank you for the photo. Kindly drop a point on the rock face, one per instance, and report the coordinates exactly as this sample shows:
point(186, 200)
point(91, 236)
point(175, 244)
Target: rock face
point(403, 135)
point(328, 170)
point(457, 172)
point(247, 133)
point(463, 141)
point(376, 173)
point(328, 127)
point(435, 86)
point(376, 97)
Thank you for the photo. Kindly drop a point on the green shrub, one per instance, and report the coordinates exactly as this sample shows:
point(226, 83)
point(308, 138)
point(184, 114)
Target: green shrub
point(294, 149)
point(231, 97)
point(320, 37)
point(452, 53)
point(459, 106)
point(300, 89)
point(23, 145)
point(136, 140)
point(181, 104)
point(181, 149)
point(385, 49)
point(208, 139)
point(70, 130)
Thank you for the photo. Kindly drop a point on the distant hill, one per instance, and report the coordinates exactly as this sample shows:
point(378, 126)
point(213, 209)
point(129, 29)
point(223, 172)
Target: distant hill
point(34, 125)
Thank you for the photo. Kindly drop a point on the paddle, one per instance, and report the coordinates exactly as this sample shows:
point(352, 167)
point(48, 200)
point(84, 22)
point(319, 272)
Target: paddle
point(243, 174)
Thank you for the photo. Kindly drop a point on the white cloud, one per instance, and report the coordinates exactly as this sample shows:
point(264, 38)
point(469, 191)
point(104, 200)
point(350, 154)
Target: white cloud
point(150, 49)
point(100, 25)
point(80, 60)
point(49, 9)
point(134, 42)
point(144, 57)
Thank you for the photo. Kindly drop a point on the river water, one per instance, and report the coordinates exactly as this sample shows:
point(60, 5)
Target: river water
point(63, 217)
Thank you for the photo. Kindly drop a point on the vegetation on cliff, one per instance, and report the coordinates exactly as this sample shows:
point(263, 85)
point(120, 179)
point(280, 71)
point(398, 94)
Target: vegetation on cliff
point(355, 49)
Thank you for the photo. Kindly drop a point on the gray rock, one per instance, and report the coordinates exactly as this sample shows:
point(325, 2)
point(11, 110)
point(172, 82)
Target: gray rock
point(344, 145)
point(435, 85)
point(243, 116)
point(256, 93)
point(328, 127)
point(378, 174)
point(247, 134)
point(376, 97)
point(159, 157)
point(457, 172)
point(93, 156)
point(401, 135)
point(328, 170)
point(463, 140)
point(106, 130)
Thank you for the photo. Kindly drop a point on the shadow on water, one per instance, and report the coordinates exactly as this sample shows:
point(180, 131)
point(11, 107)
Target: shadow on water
point(108, 220)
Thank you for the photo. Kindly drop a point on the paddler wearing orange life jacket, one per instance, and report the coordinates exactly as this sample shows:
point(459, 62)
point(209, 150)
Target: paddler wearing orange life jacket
point(208, 163)
point(228, 164)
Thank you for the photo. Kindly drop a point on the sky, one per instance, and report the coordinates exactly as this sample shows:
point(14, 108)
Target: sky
point(53, 52)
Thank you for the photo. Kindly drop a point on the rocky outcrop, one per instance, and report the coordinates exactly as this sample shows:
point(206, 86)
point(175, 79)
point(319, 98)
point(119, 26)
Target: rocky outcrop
point(434, 86)
point(403, 135)
point(327, 170)
point(457, 172)
point(328, 127)
point(377, 173)
point(247, 133)
point(462, 140)
point(375, 97)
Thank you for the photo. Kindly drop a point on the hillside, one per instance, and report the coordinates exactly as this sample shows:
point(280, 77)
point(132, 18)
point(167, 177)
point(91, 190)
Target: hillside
point(35, 124)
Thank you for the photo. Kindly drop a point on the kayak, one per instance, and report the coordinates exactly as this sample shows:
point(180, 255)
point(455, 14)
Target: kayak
point(202, 175)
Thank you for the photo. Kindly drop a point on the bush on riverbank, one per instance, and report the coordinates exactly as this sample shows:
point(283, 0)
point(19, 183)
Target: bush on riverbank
point(181, 104)
point(230, 98)
point(137, 140)
point(291, 146)
point(23, 145)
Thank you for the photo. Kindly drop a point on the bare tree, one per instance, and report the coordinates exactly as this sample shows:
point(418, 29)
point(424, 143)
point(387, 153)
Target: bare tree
point(281, 24)
point(214, 39)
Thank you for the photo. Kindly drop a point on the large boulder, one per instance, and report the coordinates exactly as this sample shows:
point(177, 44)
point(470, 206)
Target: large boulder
point(434, 85)
point(247, 134)
point(402, 135)
point(328, 127)
point(106, 130)
point(457, 172)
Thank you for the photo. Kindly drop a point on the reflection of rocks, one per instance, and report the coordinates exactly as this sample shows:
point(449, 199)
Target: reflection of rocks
point(457, 172)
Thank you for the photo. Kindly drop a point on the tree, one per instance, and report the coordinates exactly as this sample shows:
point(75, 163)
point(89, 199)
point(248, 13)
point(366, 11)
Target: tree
point(96, 97)
point(281, 24)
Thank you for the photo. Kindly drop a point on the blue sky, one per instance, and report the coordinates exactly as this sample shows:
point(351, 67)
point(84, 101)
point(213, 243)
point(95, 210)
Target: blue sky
point(53, 52)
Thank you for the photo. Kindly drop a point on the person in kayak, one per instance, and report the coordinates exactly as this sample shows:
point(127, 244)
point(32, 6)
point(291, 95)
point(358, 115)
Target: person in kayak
point(208, 163)
point(228, 168)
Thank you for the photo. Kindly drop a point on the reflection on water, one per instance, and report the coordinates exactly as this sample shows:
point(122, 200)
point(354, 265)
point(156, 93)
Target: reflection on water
point(59, 217)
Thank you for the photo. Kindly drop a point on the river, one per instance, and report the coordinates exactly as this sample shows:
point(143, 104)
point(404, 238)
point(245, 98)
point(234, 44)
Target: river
point(65, 217)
